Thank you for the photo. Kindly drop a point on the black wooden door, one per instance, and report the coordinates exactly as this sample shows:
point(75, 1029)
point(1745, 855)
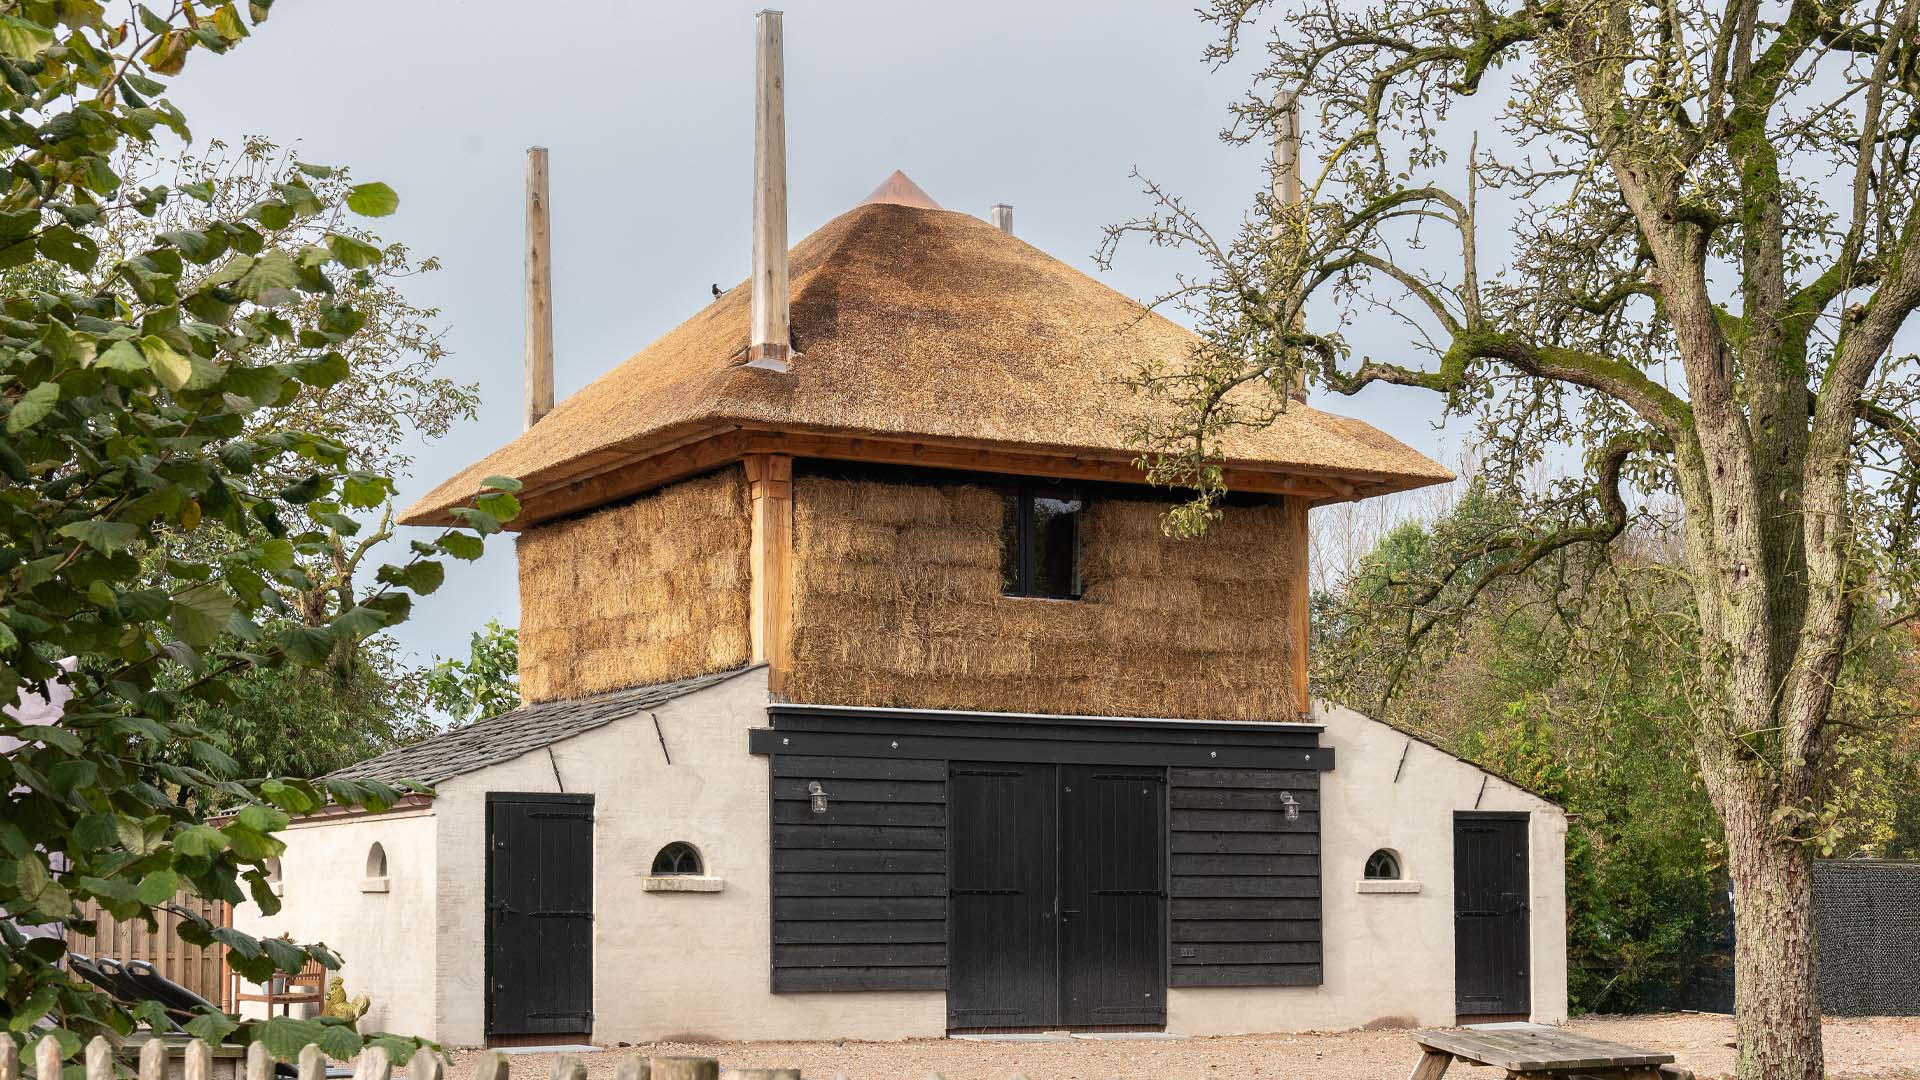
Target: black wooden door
point(1113, 914)
point(539, 940)
point(1058, 903)
point(1003, 964)
point(1491, 957)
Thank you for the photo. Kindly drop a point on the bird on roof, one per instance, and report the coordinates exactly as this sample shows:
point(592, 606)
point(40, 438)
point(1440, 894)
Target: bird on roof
point(716, 290)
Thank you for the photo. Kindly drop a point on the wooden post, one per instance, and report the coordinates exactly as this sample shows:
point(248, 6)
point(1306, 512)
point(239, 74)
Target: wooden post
point(424, 1065)
point(373, 1064)
point(539, 272)
point(1286, 185)
point(1300, 602)
point(769, 344)
point(764, 1074)
point(490, 1065)
point(259, 1061)
point(683, 1068)
point(199, 1061)
point(1003, 218)
point(153, 1059)
point(568, 1067)
point(10, 1059)
point(1432, 1065)
point(313, 1063)
point(632, 1067)
point(99, 1058)
point(770, 608)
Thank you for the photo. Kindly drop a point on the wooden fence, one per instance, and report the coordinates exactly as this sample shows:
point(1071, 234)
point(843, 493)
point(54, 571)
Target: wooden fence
point(372, 1064)
point(201, 970)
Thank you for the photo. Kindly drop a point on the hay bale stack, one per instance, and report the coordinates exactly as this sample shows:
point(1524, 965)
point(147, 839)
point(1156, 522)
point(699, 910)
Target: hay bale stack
point(653, 590)
point(897, 602)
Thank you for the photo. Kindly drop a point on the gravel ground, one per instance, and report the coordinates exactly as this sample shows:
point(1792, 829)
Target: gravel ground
point(1883, 1048)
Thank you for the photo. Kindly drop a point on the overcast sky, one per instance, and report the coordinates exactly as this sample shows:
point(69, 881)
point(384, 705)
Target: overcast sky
point(647, 110)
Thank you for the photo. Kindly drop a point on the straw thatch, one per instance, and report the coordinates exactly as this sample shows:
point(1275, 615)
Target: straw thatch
point(918, 323)
point(897, 602)
point(653, 590)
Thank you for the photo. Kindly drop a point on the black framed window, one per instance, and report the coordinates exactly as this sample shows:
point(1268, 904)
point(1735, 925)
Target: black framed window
point(1040, 543)
point(1383, 865)
point(678, 858)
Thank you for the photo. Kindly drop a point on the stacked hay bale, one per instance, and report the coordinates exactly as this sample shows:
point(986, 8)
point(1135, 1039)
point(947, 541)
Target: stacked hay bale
point(652, 590)
point(897, 602)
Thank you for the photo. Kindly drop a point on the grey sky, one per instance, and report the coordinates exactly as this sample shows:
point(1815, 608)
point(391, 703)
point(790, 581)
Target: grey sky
point(647, 110)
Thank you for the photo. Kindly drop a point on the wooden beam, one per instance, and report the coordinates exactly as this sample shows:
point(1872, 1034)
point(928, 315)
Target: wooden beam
point(1300, 606)
point(539, 310)
point(769, 343)
point(770, 610)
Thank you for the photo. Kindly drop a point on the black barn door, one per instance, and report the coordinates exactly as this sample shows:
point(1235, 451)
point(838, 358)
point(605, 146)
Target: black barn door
point(1003, 952)
point(1491, 957)
point(1113, 916)
point(1058, 896)
point(539, 940)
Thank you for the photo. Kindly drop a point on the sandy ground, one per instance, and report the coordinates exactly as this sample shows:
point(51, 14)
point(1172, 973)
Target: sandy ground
point(1884, 1048)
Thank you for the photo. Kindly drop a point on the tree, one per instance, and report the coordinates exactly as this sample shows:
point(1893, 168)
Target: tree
point(1713, 242)
point(487, 682)
point(141, 413)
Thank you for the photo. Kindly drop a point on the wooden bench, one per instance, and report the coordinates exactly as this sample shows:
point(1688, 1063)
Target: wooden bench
point(1537, 1052)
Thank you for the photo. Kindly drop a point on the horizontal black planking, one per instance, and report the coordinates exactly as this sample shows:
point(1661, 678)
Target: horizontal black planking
point(1254, 908)
point(788, 719)
point(1245, 886)
point(1241, 799)
point(1246, 975)
point(860, 907)
point(1297, 779)
point(1185, 864)
point(1279, 930)
point(1248, 952)
point(785, 884)
point(865, 837)
point(881, 791)
point(899, 954)
point(893, 747)
point(1247, 843)
point(848, 932)
point(830, 861)
point(836, 768)
point(857, 813)
point(801, 980)
point(1243, 821)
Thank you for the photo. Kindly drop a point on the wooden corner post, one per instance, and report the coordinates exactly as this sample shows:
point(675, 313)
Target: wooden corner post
point(770, 610)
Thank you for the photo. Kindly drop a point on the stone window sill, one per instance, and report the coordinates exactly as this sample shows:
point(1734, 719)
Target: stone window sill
point(373, 884)
point(1402, 887)
point(680, 883)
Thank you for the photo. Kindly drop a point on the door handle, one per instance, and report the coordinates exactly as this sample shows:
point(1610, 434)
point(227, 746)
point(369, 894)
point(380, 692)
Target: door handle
point(1065, 913)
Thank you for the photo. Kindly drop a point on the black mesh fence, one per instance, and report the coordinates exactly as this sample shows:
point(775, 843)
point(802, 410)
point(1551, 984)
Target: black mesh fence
point(1867, 915)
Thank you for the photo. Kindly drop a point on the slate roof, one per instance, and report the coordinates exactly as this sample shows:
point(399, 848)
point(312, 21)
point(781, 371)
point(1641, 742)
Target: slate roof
point(509, 734)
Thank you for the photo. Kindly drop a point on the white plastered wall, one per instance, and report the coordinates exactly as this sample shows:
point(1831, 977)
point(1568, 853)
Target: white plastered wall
point(382, 930)
point(665, 963)
point(1388, 958)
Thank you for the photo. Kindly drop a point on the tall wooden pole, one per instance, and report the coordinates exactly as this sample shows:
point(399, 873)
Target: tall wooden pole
point(1286, 187)
point(769, 345)
point(539, 313)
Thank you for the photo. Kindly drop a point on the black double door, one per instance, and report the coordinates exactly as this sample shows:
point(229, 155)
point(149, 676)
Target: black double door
point(1490, 916)
point(1058, 896)
point(539, 937)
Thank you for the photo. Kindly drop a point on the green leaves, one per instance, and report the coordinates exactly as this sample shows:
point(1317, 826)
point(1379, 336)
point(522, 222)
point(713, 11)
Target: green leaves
point(32, 407)
point(36, 889)
point(199, 614)
point(103, 536)
point(372, 200)
point(23, 39)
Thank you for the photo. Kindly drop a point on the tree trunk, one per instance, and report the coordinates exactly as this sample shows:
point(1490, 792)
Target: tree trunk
point(1776, 998)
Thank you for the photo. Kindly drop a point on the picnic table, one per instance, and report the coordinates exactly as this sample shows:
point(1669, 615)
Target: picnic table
point(1538, 1052)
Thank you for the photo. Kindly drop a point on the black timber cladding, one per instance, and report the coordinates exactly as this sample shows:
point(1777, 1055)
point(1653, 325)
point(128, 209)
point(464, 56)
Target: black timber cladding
point(860, 891)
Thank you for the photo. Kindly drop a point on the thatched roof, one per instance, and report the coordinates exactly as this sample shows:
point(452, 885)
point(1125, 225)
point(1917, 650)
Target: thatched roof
point(916, 323)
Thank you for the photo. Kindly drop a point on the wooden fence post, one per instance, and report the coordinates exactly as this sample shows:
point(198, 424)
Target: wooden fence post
point(313, 1063)
point(491, 1065)
point(765, 1074)
point(374, 1065)
point(632, 1067)
point(46, 1057)
point(99, 1058)
point(424, 1065)
point(153, 1060)
point(9, 1059)
point(259, 1061)
point(683, 1068)
point(568, 1067)
point(199, 1063)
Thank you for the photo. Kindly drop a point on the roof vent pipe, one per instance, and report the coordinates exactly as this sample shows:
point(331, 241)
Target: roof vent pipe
point(1003, 217)
point(770, 342)
point(539, 274)
point(1286, 187)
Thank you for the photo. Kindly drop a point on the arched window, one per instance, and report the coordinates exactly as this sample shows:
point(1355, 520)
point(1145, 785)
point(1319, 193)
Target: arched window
point(1383, 865)
point(376, 861)
point(678, 859)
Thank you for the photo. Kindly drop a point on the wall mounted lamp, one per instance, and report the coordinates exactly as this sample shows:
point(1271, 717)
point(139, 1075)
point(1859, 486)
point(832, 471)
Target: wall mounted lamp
point(817, 796)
